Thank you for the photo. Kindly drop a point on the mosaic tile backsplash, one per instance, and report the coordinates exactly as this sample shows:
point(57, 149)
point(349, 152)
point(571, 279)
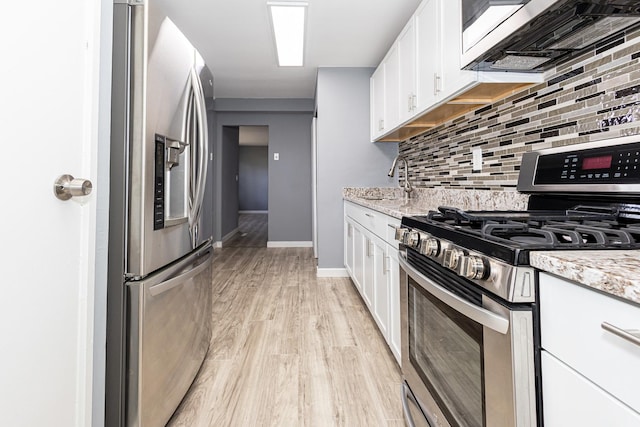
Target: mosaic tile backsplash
point(595, 96)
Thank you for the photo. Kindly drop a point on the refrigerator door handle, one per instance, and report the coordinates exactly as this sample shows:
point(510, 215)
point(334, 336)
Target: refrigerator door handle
point(203, 154)
point(180, 279)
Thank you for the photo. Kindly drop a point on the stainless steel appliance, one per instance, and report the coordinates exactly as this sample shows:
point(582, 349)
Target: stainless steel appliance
point(160, 254)
point(470, 334)
point(533, 35)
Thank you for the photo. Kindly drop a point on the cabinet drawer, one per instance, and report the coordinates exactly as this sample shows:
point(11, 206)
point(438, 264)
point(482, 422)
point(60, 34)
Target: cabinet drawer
point(571, 400)
point(374, 221)
point(390, 227)
point(571, 319)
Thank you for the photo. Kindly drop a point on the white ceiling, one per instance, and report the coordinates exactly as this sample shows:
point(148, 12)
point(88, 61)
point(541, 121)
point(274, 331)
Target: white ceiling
point(234, 37)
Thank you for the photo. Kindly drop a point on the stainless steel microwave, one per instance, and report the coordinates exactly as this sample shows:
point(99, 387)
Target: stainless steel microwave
point(534, 35)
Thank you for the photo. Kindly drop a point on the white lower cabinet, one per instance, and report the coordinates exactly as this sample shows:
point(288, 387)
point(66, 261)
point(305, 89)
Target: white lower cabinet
point(371, 259)
point(380, 286)
point(569, 399)
point(348, 245)
point(358, 258)
point(393, 274)
point(590, 373)
point(368, 284)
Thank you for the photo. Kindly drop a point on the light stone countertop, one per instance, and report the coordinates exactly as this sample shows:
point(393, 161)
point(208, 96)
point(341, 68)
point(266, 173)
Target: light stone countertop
point(616, 272)
point(391, 201)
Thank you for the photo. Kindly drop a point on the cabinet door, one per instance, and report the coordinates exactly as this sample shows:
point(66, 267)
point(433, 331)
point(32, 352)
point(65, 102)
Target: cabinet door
point(369, 271)
point(393, 275)
point(407, 71)
point(358, 258)
point(391, 89)
point(427, 53)
point(381, 287)
point(575, 334)
point(377, 102)
point(452, 78)
point(569, 399)
point(348, 246)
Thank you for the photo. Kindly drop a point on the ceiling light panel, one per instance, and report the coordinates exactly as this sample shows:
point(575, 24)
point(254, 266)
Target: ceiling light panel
point(288, 21)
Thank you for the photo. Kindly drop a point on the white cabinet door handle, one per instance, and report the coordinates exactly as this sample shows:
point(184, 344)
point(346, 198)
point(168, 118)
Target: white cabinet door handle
point(631, 335)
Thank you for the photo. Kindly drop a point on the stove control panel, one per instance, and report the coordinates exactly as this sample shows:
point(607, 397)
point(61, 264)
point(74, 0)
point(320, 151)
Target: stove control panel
point(512, 283)
point(474, 267)
point(599, 165)
point(607, 166)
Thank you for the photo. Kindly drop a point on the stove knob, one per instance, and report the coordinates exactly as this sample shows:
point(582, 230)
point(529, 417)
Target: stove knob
point(475, 268)
point(412, 239)
point(423, 240)
point(401, 233)
point(432, 247)
point(452, 258)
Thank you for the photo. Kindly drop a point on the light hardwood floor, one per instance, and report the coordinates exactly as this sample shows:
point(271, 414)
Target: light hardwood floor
point(289, 349)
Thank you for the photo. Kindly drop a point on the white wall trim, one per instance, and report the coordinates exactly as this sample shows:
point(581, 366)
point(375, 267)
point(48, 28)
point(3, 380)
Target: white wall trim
point(253, 212)
point(228, 236)
point(332, 272)
point(283, 244)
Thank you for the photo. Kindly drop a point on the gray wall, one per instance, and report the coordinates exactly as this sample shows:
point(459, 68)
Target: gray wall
point(229, 209)
point(253, 186)
point(289, 124)
point(346, 157)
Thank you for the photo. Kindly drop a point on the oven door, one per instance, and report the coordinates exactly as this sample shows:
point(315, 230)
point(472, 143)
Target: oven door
point(467, 358)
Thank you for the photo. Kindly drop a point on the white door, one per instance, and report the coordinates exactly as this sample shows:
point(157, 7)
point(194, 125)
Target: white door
point(49, 82)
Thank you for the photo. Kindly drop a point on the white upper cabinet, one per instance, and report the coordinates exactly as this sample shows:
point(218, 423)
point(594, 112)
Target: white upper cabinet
point(377, 102)
point(391, 87)
point(426, 86)
point(452, 79)
point(429, 58)
point(385, 113)
point(407, 71)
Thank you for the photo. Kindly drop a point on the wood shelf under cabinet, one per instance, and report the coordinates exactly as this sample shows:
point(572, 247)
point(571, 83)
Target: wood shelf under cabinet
point(476, 97)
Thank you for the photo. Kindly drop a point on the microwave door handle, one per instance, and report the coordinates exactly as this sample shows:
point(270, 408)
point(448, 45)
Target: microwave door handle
point(481, 315)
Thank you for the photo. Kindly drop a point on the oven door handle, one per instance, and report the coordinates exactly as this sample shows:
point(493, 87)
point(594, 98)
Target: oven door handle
point(481, 315)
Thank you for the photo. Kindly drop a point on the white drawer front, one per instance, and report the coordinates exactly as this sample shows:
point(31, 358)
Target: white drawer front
point(571, 319)
point(571, 400)
point(374, 221)
point(390, 227)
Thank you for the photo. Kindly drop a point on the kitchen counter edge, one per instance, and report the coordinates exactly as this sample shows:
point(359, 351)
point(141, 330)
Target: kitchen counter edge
point(614, 272)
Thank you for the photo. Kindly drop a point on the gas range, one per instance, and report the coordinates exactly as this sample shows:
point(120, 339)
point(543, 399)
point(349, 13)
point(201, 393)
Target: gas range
point(567, 210)
point(466, 283)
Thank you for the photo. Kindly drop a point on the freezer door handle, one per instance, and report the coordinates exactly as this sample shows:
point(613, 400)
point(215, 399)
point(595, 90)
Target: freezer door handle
point(203, 154)
point(176, 281)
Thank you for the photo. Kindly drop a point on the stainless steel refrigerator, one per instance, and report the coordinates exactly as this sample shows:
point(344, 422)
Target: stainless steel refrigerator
point(160, 254)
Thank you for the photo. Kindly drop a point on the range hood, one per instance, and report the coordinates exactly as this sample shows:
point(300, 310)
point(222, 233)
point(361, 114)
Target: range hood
point(542, 33)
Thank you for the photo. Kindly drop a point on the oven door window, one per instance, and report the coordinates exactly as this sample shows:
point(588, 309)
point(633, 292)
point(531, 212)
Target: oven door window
point(445, 348)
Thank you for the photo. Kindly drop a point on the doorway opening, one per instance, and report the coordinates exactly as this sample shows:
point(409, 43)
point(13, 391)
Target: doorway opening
point(246, 176)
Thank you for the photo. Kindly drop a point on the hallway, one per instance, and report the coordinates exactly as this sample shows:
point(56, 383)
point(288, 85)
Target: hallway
point(289, 349)
point(252, 231)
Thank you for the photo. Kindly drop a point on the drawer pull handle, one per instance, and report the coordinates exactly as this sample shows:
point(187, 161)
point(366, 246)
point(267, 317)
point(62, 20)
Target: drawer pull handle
point(630, 335)
point(369, 215)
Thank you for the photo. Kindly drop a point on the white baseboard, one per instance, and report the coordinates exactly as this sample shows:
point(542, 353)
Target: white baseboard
point(283, 244)
point(253, 212)
point(228, 236)
point(332, 272)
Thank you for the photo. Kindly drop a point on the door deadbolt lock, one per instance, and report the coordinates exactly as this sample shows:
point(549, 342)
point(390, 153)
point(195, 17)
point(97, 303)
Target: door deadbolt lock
point(66, 187)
